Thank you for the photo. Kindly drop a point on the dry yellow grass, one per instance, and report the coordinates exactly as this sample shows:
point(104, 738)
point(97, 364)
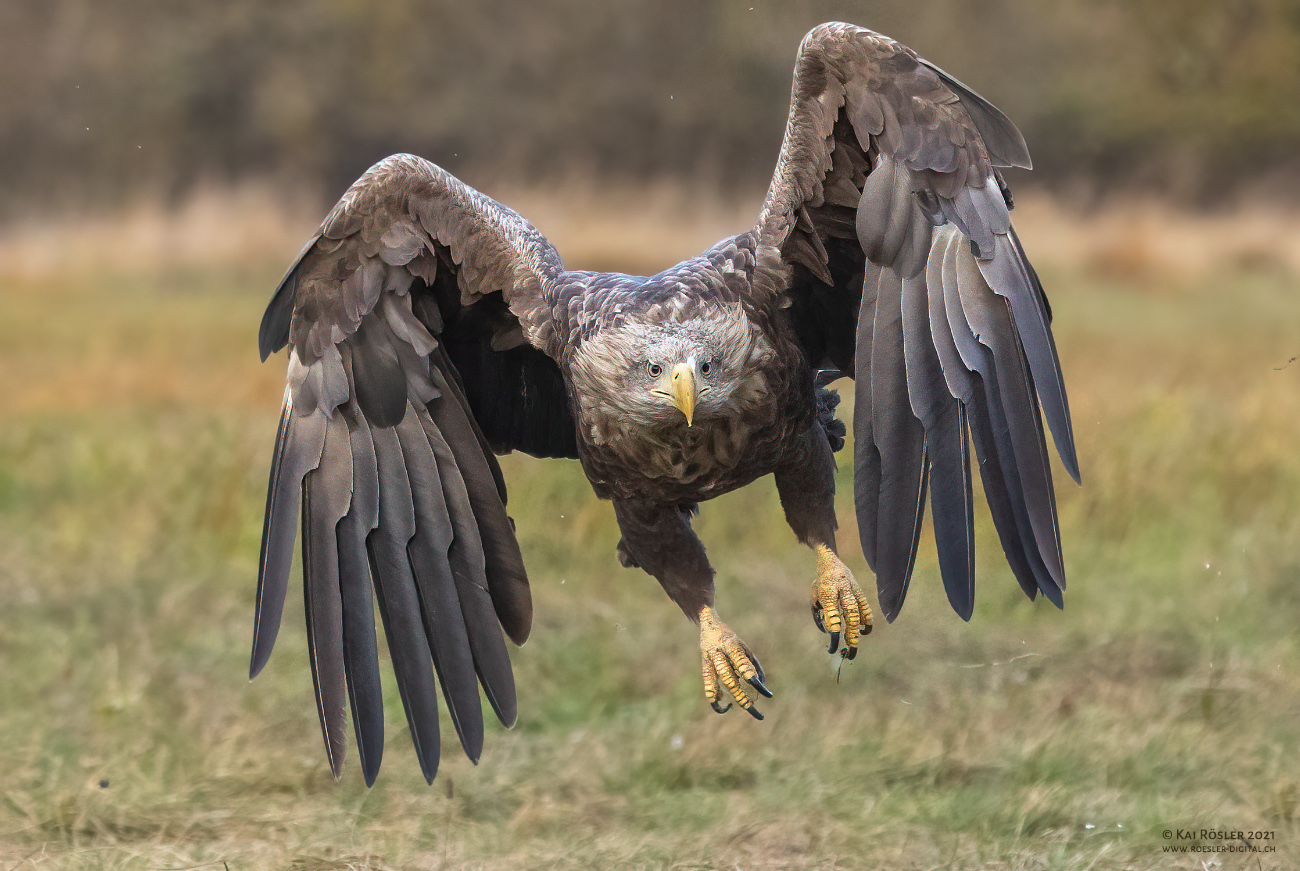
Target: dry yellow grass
point(636, 229)
point(134, 434)
point(1141, 237)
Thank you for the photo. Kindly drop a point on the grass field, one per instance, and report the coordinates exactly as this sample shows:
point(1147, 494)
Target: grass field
point(135, 431)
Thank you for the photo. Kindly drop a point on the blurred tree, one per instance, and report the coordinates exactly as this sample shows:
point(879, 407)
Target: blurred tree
point(106, 100)
point(1194, 96)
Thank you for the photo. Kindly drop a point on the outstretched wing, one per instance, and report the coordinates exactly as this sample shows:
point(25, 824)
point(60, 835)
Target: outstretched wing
point(906, 273)
point(418, 335)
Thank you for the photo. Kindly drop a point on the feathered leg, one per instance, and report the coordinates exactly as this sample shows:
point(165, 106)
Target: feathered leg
point(806, 484)
point(660, 540)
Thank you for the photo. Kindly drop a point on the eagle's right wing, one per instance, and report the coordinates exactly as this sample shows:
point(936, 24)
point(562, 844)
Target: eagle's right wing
point(419, 342)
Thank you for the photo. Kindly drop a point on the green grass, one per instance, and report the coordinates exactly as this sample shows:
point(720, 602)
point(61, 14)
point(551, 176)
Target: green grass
point(134, 437)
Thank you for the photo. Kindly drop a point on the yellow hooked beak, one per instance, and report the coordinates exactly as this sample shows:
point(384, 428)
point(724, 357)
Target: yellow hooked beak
point(685, 391)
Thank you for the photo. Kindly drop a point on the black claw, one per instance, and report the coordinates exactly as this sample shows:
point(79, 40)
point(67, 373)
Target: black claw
point(719, 708)
point(753, 712)
point(758, 666)
point(835, 642)
point(817, 616)
point(849, 652)
point(757, 683)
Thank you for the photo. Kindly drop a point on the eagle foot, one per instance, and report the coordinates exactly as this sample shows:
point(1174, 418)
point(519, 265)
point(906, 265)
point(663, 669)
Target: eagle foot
point(725, 661)
point(838, 603)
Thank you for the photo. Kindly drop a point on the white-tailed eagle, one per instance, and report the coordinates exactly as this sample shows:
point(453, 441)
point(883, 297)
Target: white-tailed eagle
point(431, 328)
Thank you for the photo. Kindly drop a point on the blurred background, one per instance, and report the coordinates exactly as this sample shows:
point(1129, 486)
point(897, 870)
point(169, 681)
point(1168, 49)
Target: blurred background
point(161, 162)
point(104, 102)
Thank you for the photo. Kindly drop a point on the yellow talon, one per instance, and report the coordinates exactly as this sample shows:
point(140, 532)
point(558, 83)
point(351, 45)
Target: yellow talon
point(725, 661)
point(838, 603)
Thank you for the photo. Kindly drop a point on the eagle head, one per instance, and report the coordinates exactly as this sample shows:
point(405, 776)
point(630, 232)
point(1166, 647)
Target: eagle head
point(654, 374)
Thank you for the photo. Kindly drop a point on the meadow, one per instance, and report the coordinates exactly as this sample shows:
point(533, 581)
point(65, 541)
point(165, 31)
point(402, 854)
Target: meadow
point(135, 432)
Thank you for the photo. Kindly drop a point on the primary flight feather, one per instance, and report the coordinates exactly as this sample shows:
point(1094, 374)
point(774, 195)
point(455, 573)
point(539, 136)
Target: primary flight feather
point(430, 328)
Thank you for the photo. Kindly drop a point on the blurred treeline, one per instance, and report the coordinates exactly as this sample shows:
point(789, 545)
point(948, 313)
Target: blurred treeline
point(104, 100)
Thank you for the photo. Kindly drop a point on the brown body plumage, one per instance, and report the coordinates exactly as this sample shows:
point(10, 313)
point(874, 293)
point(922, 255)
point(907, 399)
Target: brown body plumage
point(430, 327)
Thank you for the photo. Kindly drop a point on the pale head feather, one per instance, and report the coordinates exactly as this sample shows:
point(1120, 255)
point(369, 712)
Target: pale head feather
point(613, 385)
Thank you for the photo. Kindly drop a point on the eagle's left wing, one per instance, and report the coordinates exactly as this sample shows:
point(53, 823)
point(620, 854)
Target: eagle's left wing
point(888, 206)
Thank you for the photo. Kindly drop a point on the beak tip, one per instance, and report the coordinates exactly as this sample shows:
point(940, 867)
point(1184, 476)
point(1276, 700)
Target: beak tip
point(685, 391)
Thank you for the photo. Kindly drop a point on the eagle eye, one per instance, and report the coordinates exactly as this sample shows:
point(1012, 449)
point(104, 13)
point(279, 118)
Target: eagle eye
point(706, 367)
point(655, 370)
